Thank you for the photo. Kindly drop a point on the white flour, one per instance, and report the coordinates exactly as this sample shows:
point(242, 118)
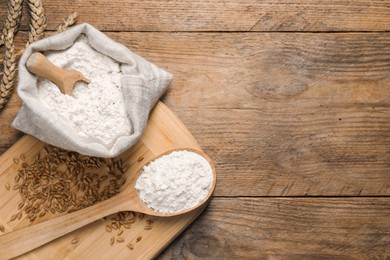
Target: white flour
point(96, 110)
point(175, 182)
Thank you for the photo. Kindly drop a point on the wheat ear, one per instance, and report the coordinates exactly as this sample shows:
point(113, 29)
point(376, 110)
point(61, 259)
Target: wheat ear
point(9, 71)
point(69, 21)
point(12, 19)
point(8, 78)
point(37, 21)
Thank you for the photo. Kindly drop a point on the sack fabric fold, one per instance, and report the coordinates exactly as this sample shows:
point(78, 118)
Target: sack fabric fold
point(143, 83)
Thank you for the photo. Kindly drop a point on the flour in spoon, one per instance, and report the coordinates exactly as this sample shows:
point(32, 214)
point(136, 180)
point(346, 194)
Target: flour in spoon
point(175, 182)
point(95, 110)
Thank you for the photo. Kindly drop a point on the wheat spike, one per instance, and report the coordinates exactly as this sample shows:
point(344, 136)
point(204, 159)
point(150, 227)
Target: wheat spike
point(8, 78)
point(37, 28)
point(12, 19)
point(12, 22)
point(69, 21)
point(37, 21)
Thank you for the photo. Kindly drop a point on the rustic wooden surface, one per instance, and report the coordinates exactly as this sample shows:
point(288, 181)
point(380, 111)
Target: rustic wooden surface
point(291, 101)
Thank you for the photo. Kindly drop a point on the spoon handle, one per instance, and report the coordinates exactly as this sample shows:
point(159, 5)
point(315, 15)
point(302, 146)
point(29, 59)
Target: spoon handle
point(38, 64)
point(23, 240)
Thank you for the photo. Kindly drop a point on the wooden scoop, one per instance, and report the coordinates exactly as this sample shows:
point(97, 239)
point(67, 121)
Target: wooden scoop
point(18, 242)
point(38, 64)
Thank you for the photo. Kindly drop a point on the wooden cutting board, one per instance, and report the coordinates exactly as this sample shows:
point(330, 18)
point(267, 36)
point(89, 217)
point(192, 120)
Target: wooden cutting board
point(163, 132)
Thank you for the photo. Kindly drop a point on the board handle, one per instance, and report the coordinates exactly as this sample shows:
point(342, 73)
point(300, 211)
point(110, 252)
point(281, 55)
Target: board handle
point(23, 240)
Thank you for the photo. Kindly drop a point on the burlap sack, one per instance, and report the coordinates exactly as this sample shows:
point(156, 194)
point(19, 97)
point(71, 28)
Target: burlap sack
point(143, 83)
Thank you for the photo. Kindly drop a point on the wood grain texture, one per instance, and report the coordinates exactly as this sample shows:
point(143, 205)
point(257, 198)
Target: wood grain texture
point(280, 114)
point(288, 228)
point(220, 15)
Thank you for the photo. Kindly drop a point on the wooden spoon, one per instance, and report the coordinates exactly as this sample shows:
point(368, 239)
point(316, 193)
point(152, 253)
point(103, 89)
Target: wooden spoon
point(23, 240)
point(65, 80)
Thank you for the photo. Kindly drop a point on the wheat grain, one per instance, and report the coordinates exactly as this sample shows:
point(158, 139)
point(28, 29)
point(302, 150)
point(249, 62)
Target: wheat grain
point(120, 240)
point(130, 246)
point(127, 226)
point(108, 228)
point(13, 217)
point(50, 182)
point(148, 227)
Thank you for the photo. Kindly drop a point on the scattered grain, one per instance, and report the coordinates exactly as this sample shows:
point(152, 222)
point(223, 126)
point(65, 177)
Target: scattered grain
point(130, 246)
point(148, 227)
point(120, 240)
point(16, 161)
point(120, 232)
point(74, 241)
point(127, 226)
point(115, 225)
point(138, 239)
point(140, 159)
point(2, 228)
point(122, 219)
point(7, 186)
point(20, 206)
point(112, 240)
point(141, 216)
point(22, 157)
point(108, 228)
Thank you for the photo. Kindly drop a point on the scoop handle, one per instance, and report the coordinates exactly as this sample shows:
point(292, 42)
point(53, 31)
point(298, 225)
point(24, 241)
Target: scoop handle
point(23, 240)
point(38, 64)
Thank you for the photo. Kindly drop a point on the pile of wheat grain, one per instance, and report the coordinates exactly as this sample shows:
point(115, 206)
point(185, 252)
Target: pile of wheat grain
point(60, 181)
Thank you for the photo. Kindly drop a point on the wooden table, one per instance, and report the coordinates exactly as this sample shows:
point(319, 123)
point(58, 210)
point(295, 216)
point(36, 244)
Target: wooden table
point(291, 99)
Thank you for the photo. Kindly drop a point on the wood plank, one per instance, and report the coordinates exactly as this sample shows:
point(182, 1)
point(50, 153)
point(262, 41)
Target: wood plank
point(280, 114)
point(220, 15)
point(288, 228)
